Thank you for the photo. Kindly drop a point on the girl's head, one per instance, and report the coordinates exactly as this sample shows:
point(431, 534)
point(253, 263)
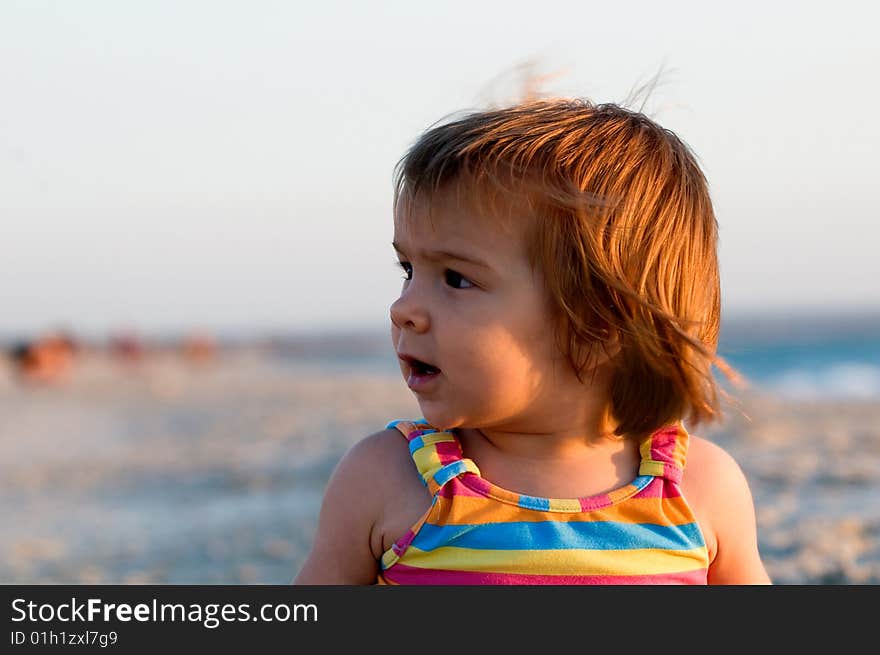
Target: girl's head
point(600, 241)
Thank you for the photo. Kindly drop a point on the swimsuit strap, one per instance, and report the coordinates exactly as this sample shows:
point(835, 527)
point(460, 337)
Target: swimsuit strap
point(664, 452)
point(438, 456)
point(436, 453)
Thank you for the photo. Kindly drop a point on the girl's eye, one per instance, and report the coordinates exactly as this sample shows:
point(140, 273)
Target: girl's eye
point(456, 280)
point(407, 270)
point(453, 279)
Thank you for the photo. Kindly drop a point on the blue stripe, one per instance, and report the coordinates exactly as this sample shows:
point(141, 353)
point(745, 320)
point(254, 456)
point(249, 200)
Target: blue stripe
point(394, 423)
point(415, 444)
point(559, 535)
point(642, 481)
point(445, 473)
point(543, 504)
point(534, 502)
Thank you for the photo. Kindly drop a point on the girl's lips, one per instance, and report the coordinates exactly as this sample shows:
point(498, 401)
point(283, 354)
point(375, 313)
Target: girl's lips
point(421, 381)
point(420, 375)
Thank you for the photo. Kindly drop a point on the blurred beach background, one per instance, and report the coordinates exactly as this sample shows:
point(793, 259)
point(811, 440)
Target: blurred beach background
point(196, 269)
point(200, 460)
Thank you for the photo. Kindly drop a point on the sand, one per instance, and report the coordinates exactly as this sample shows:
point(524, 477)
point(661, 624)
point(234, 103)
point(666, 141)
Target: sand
point(174, 472)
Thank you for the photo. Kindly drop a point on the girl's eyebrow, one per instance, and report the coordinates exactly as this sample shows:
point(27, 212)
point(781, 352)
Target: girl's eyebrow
point(445, 254)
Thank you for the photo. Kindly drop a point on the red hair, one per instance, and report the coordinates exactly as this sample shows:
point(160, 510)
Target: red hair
point(622, 228)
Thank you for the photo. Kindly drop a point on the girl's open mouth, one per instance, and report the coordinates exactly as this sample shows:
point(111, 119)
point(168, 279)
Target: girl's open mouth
point(421, 368)
point(421, 373)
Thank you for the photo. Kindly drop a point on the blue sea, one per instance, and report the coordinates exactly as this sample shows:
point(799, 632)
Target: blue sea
point(800, 357)
point(807, 357)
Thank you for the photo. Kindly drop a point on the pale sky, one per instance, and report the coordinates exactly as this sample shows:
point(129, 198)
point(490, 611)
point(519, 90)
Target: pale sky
point(165, 165)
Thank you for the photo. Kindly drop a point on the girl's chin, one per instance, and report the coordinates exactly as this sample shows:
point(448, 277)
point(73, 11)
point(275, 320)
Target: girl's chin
point(438, 418)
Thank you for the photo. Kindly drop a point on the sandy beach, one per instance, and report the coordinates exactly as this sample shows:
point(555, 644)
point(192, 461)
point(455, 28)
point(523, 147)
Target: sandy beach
point(169, 471)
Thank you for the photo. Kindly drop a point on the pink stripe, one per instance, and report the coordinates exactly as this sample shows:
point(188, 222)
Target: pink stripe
point(479, 485)
point(595, 502)
point(455, 488)
point(672, 472)
point(448, 451)
point(662, 443)
point(403, 574)
point(659, 488)
point(403, 543)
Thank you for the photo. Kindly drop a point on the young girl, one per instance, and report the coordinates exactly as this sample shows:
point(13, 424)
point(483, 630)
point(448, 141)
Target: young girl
point(557, 324)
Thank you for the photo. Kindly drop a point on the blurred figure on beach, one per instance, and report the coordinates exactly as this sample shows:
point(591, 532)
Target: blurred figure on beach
point(127, 347)
point(47, 359)
point(199, 347)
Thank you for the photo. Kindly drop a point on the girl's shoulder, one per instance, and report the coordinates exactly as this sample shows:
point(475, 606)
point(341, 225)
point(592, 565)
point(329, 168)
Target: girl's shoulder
point(396, 487)
point(385, 452)
point(710, 470)
point(387, 444)
point(365, 492)
point(718, 493)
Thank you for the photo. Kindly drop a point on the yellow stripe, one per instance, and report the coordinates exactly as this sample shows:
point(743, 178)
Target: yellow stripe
point(427, 461)
point(645, 561)
point(564, 505)
point(437, 437)
point(645, 448)
point(470, 466)
point(476, 509)
point(651, 467)
point(389, 557)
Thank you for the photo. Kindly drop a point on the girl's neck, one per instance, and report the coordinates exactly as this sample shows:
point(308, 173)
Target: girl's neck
point(548, 445)
point(558, 464)
point(570, 421)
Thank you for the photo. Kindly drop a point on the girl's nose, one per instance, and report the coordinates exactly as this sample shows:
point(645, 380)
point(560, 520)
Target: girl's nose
point(408, 312)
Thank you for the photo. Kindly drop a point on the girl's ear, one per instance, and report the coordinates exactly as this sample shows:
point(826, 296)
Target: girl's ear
point(608, 349)
point(600, 352)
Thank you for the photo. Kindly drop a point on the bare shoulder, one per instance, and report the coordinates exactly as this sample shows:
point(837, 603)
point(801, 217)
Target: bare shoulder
point(405, 498)
point(375, 472)
point(711, 478)
point(384, 458)
point(709, 467)
point(717, 490)
point(355, 502)
point(385, 448)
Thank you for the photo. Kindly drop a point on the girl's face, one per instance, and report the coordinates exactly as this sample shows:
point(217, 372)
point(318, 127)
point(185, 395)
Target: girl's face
point(472, 326)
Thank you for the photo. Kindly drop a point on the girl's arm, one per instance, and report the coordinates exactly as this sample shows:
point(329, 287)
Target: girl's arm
point(342, 550)
point(719, 493)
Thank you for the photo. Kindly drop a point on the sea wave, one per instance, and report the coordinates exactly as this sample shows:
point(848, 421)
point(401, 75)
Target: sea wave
point(841, 381)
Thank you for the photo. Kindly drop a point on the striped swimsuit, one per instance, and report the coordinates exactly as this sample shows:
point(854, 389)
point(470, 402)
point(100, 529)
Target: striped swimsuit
point(478, 533)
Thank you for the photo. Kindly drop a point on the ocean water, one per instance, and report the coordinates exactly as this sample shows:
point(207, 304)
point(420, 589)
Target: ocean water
point(804, 358)
point(798, 357)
